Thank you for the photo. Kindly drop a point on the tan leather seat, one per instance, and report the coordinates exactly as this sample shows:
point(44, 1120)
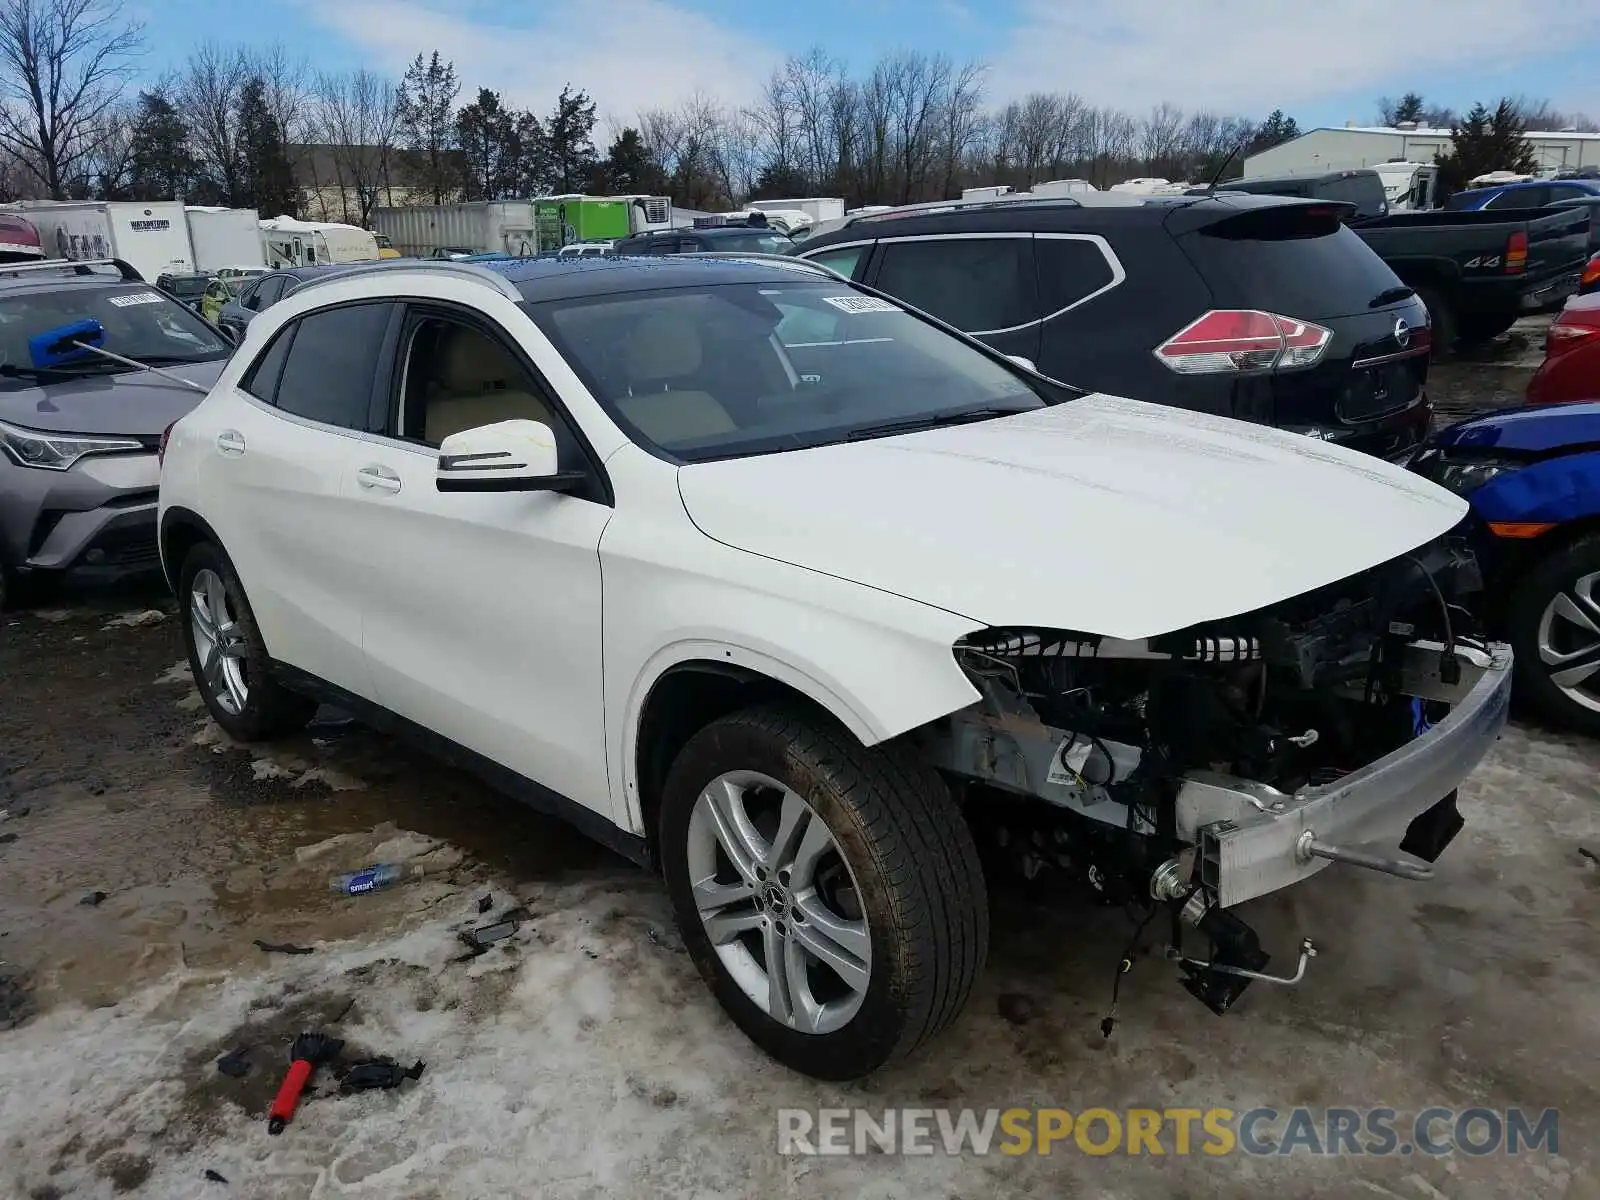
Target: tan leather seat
point(663, 352)
point(474, 381)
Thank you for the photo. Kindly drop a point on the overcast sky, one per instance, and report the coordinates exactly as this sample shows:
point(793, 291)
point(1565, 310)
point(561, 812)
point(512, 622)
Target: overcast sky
point(1245, 56)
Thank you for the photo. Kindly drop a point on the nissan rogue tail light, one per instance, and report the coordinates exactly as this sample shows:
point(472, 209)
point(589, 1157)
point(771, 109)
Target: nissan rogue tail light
point(1573, 328)
point(1243, 342)
point(161, 446)
point(1516, 253)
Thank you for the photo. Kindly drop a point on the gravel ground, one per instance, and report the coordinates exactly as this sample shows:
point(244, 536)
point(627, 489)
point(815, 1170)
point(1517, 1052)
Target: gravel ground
point(582, 1056)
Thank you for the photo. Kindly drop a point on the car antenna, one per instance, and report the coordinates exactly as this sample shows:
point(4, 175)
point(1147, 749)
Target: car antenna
point(1226, 163)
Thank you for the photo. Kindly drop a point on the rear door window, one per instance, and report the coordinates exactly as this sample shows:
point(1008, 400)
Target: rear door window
point(1070, 271)
point(1294, 261)
point(1364, 191)
point(266, 293)
point(332, 363)
point(979, 285)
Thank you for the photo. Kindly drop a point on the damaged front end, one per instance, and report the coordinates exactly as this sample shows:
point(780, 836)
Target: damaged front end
point(1202, 768)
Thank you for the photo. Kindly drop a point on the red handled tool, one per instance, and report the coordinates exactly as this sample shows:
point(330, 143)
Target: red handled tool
point(308, 1050)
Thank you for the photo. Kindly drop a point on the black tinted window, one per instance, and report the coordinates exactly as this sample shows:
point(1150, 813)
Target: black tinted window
point(1069, 269)
point(266, 292)
point(661, 246)
point(261, 380)
point(332, 361)
point(976, 284)
point(1294, 261)
point(1522, 197)
point(1567, 191)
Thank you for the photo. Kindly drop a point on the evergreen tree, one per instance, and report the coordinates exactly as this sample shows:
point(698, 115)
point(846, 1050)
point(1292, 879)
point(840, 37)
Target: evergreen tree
point(265, 175)
point(161, 166)
point(1486, 141)
point(494, 147)
point(427, 118)
point(569, 142)
point(628, 169)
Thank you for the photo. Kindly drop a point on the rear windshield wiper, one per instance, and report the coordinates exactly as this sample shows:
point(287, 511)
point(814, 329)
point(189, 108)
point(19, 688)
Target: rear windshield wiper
point(1391, 296)
point(935, 420)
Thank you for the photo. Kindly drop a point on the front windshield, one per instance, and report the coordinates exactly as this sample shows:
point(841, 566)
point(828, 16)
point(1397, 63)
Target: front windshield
point(735, 369)
point(140, 323)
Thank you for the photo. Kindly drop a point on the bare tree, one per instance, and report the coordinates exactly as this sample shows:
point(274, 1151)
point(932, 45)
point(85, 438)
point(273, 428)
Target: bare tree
point(960, 119)
point(109, 163)
point(211, 84)
point(358, 119)
point(1161, 139)
point(62, 66)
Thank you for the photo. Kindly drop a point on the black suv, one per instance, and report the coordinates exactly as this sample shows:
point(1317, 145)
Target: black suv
point(1255, 307)
point(738, 239)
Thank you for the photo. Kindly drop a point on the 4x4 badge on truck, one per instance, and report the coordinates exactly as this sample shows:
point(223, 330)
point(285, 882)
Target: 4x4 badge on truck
point(1402, 332)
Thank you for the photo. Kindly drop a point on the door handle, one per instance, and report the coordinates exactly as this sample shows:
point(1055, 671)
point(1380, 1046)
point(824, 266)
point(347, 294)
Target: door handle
point(379, 478)
point(230, 441)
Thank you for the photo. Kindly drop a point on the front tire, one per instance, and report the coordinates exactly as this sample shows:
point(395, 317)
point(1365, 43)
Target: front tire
point(829, 894)
point(1553, 622)
point(227, 657)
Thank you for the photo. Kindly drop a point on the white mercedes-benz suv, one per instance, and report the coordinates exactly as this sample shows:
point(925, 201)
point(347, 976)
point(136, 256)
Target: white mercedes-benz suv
point(824, 610)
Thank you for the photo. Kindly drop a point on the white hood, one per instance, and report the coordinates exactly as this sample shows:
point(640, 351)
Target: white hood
point(1102, 515)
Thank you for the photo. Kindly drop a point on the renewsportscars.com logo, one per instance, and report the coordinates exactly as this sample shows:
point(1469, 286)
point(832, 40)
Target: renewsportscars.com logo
point(1176, 1131)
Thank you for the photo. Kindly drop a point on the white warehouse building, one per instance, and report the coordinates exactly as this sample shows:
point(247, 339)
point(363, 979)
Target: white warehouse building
point(1335, 149)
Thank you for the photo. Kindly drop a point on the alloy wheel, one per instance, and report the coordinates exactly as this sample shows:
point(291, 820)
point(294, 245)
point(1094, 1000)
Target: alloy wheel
point(778, 902)
point(219, 645)
point(1569, 641)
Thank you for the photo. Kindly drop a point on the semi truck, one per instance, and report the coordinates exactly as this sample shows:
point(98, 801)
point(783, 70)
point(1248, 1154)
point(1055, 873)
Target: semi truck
point(152, 236)
point(224, 237)
point(477, 227)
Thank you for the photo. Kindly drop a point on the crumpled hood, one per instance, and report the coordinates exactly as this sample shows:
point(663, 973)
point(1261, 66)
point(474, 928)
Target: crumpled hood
point(130, 403)
point(1101, 515)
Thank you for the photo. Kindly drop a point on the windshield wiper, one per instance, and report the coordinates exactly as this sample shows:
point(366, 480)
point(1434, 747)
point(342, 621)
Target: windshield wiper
point(935, 420)
point(64, 371)
point(1391, 296)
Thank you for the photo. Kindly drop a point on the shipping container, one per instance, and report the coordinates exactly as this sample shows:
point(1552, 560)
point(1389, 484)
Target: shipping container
point(563, 220)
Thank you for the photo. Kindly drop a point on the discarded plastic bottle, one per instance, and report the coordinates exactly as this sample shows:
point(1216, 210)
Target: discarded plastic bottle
point(370, 879)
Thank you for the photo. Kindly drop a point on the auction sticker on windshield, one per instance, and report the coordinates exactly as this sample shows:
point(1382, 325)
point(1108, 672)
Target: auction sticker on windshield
point(860, 304)
point(136, 298)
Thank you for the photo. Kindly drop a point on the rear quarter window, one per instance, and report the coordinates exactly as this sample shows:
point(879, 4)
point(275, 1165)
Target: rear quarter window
point(1297, 262)
point(1070, 271)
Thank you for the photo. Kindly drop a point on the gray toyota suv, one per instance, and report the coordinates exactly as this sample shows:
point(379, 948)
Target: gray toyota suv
point(94, 365)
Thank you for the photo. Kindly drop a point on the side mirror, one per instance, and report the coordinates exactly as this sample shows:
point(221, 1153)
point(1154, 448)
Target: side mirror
point(1025, 363)
point(508, 456)
point(66, 343)
point(229, 333)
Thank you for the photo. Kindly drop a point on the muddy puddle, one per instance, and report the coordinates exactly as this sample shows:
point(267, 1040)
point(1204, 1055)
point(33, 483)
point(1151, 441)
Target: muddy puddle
point(138, 839)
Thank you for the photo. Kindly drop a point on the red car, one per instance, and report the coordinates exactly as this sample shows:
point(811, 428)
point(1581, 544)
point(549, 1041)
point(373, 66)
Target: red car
point(1571, 367)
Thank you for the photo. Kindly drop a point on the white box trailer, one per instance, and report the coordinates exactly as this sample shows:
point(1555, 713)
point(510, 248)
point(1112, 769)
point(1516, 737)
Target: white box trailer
point(481, 227)
point(224, 237)
point(152, 236)
point(818, 208)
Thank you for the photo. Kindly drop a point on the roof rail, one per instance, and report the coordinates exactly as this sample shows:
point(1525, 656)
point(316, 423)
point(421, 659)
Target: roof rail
point(464, 270)
point(81, 266)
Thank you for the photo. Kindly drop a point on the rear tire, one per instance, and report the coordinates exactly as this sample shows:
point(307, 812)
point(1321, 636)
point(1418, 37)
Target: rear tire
point(1476, 328)
point(1553, 621)
point(227, 657)
point(878, 868)
point(1443, 319)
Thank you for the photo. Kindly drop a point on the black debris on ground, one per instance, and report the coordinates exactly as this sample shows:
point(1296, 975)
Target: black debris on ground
point(1015, 1008)
point(236, 1063)
point(215, 1177)
point(485, 903)
point(93, 899)
point(375, 1073)
point(16, 1003)
point(282, 948)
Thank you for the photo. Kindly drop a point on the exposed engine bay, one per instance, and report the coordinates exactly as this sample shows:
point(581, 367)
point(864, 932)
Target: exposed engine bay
point(1198, 769)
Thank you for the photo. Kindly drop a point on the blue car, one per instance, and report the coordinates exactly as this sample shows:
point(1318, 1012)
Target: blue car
point(1536, 193)
point(1532, 476)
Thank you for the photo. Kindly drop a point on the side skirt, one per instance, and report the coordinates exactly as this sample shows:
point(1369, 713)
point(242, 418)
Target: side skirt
point(519, 787)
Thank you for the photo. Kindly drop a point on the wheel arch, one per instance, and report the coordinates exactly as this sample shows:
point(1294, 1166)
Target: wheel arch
point(686, 687)
point(181, 530)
